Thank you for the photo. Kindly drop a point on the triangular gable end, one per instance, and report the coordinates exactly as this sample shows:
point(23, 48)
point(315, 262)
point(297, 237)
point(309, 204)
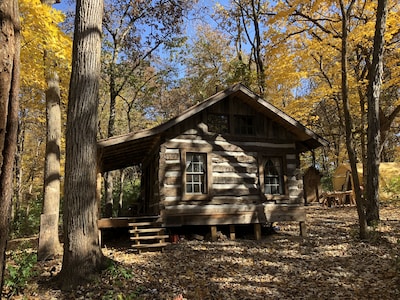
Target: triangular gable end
point(130, 149)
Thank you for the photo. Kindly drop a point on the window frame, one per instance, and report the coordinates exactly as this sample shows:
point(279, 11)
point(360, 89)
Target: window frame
point(241, 128)
point(225, 121)
point(207, 175)
point(282, 177)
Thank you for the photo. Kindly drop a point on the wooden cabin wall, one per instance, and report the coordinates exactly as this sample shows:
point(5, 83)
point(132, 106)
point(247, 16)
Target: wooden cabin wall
point(233, 161)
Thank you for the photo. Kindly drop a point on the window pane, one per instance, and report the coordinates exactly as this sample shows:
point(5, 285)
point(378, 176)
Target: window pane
point(195, 173)
point(245, 125)
point(273, 176)
point(218, 123)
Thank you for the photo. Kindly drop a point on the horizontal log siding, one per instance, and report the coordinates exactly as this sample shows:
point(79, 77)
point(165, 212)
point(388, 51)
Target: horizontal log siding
point(234, 169)
point(234, 195)
point(171, 176)
point(294, 179)
point(235, 173)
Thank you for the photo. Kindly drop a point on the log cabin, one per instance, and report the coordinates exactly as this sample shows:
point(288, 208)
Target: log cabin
point(231, 159)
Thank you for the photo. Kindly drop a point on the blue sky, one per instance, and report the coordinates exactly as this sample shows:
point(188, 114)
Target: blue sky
point(69, 5)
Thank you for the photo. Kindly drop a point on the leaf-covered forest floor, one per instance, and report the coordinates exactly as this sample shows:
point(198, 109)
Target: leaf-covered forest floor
point(330, 263)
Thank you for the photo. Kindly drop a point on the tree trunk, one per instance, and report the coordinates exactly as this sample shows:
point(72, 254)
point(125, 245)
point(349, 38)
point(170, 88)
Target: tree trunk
point(349, 123)
point(82, 252)
point(121, 192)
point(49, 244)
point(374, 89)
point(109, 176)
point(258, 57)
point(18, 167)
point(9, 89)
point(108, 187)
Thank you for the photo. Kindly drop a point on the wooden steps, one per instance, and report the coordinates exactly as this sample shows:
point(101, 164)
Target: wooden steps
point(147, 233)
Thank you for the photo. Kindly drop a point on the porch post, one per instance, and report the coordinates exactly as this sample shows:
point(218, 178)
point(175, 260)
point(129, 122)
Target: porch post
point(257, 231)
point(98, 199)
point(232, 234)
point(303, 229)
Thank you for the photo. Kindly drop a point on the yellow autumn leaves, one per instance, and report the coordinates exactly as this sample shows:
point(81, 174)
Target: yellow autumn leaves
point(41, 35)
point(44, 48)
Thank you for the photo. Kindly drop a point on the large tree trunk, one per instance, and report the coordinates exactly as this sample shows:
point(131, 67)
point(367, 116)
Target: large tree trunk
point(9, 89)
point(349, 123)
point(374, 88)
point(49, 244)
point(82, 252)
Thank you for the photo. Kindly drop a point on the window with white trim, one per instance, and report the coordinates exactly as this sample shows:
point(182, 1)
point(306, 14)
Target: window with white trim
point(196, 173)
point(273, 176)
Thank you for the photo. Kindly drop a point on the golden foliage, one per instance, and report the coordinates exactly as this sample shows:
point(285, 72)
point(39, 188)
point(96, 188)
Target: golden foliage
point(42, 36)
point(44, 47)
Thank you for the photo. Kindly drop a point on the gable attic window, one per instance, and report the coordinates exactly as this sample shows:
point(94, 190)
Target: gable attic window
point(218, 123)
point(196, 173)
point(245, 125)
point(273, 176)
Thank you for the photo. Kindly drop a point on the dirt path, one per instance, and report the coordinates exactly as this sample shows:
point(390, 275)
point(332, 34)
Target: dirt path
point(331, 263)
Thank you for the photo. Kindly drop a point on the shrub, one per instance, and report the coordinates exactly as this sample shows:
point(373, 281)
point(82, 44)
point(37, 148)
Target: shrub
point(26, 220)
point(393, 187)
point(19, 271)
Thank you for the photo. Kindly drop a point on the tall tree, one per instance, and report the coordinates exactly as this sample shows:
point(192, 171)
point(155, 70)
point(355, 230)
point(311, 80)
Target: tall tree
point(134, 30)
point(209, 64)
point(9, 89)
point(248, 20)
point(374, 137)
point(45, 49)
point(346, 10)
point(49, 244)
point(314, 29)
point(82, 251)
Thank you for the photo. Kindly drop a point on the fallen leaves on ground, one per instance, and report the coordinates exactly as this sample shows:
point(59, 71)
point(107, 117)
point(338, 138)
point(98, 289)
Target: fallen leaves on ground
point(330, 263)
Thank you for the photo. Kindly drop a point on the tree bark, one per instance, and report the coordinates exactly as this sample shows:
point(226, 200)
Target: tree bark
point(9, 106)
point(121, 191)
point(349, 123)
point(108, 187)
point(82, 251)
point(374, 136)
point(49, 244)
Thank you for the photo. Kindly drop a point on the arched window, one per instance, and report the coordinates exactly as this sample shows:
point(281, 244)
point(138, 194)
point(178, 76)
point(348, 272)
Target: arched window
point(273, 176)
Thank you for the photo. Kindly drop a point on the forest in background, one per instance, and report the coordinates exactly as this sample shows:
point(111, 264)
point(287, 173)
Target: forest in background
point(161, 57)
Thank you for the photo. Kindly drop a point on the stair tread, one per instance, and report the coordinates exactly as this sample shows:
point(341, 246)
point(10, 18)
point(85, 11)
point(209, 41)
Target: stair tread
point(146, 230)
point(145, 217)
point(154, 245)
point(138, 224)
point(149, 237)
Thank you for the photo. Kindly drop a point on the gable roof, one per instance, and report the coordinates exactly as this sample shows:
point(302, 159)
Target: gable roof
point(129, 149)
